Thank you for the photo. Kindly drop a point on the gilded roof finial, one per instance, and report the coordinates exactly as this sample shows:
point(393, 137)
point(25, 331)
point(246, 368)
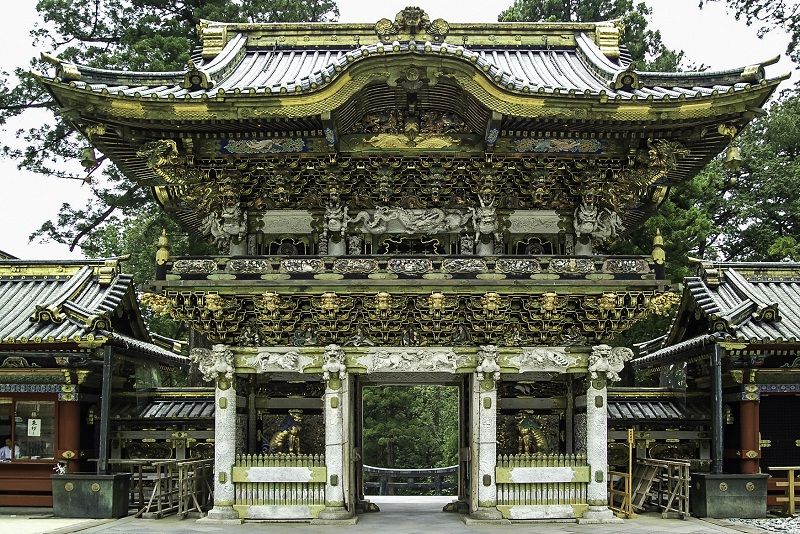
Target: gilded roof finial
point(658, 254)
point(162, 254)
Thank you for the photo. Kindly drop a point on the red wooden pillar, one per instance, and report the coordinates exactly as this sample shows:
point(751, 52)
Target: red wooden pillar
point(69, 434)
point(749, 442)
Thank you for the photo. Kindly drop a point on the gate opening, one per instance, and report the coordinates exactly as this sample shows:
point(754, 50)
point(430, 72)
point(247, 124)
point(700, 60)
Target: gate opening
point(410, 444)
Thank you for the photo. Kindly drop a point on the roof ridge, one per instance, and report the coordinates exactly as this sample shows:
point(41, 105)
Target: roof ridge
point(763, 310)
point(52, 311)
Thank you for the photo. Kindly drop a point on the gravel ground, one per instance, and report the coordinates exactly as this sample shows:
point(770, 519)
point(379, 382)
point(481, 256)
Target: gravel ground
point(789, 525)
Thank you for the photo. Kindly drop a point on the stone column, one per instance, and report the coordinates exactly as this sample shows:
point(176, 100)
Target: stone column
point(597, 442)
point(217, 364)
point(484, 434)
point(337, 397)
point(605, 364)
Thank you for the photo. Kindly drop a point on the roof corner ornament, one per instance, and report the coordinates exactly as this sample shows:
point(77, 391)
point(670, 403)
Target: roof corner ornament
point(626, 80)
point(68, 72)
point(412, 21)
point(753, 73)
point(195, 78)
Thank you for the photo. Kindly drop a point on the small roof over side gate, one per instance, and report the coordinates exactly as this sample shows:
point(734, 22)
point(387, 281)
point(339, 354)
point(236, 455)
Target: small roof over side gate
point(73, 305)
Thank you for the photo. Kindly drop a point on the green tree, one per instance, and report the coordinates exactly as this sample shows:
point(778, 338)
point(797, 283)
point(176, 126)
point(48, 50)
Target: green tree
point(769, 15)
point(644, 45)
point(410, 426)
point(121, 34)
point(764, 202)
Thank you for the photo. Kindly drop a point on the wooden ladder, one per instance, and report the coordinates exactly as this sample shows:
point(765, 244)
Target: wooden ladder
point(643, 476)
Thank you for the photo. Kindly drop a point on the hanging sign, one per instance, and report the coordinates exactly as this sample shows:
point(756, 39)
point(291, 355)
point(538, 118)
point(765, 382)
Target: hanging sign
point(34, 428)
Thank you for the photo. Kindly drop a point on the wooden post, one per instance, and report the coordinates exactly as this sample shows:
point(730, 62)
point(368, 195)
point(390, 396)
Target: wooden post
point(105, 406)
point(748, 436)
point(717, 418)
point(69, 432)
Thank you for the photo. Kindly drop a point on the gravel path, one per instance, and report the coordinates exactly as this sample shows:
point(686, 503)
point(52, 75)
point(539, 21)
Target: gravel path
point(789, 525)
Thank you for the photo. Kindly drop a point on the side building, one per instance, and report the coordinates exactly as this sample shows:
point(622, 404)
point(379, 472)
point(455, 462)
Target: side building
point(409, 201)
point(735, 341)
point(71, 333)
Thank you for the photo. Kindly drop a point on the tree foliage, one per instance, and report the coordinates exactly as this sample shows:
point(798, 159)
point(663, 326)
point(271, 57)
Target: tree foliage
point(644, 44)
point(410, 427)
point(153, 35)
point(769, 15)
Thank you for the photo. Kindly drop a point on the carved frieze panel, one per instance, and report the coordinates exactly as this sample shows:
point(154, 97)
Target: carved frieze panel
point(414, 266)
point(247, 266)
point(464, 265)
point(626, 266)
point(410, 360)
point(355, 265)
point(302, 266)
point(454, 317)
point(194, 266)
point(517, 266)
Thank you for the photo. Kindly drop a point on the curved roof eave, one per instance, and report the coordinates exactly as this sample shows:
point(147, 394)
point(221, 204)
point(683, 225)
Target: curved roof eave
point(593, 77)
point(580, 106)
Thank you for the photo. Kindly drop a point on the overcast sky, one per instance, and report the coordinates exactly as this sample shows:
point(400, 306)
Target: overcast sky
point(710, 37)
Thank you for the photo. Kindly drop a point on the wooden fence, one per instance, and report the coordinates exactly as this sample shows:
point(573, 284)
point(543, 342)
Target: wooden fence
point(165, 487)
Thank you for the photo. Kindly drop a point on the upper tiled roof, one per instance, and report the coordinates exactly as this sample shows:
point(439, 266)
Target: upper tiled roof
point(582, 70)
point(68, 304)
point(744, 302)
point(583, 60)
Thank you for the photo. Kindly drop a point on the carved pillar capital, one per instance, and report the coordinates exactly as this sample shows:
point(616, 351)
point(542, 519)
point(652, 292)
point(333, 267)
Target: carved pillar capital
point(215, 364)
point(488, 369)
point(605, 364)
point(334, 367)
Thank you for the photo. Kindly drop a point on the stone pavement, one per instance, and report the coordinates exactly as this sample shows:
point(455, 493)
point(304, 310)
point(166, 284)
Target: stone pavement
point(421, 516)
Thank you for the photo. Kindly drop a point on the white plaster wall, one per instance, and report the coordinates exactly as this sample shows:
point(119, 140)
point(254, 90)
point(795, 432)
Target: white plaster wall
point(279, 474)
point(525, 475)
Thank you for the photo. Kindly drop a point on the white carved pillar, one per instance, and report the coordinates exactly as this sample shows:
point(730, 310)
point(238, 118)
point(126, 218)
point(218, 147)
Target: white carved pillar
point(217, 365)
point(337, 398)
point(605, 364)
point(597, 441)
point(484, 435)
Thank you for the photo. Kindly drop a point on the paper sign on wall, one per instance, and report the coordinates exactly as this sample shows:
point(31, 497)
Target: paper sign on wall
point(34, 428)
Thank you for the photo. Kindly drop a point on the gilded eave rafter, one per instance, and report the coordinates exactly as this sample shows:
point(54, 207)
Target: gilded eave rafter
point(89, 104)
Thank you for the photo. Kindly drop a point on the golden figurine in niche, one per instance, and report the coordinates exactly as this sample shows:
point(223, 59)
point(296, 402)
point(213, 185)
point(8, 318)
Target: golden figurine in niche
point(287, 439)
point(531, 438)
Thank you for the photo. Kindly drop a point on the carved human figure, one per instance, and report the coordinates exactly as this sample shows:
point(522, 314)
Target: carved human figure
point(600, 224)
point(334, 228)
point(485, 220)
point(226, 225)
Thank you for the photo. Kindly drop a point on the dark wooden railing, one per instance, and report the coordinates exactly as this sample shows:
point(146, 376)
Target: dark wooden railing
point(435, 481)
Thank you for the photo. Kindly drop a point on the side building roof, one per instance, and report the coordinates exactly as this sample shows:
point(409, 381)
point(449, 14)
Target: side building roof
point(747, 303)
point(73, 305)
